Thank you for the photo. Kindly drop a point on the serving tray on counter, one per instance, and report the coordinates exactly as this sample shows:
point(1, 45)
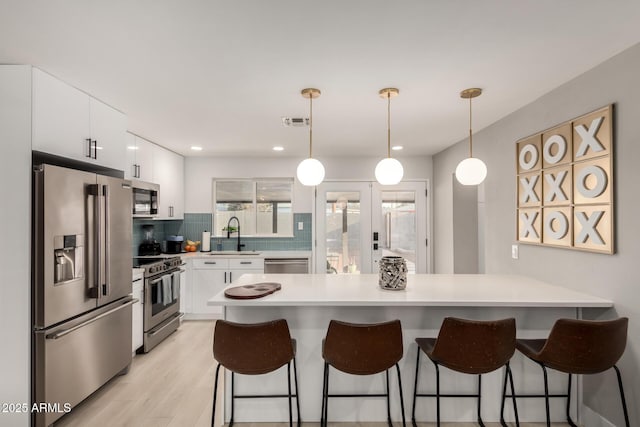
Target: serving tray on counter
point(253, 291)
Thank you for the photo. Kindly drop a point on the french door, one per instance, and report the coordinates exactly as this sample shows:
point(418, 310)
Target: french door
point(357, 223)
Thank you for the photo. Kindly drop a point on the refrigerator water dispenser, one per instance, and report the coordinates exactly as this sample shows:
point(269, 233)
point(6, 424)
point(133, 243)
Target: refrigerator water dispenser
point(68, 257)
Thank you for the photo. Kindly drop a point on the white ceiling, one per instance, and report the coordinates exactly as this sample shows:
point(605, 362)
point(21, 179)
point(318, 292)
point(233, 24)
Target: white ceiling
point(221, 74)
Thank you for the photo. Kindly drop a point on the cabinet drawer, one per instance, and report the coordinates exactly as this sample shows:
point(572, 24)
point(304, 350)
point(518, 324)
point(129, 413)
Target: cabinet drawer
point(211, 264)
point(246, 264)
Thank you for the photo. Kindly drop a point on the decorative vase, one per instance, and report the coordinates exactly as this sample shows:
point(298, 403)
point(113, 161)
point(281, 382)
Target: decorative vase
point(393, 273)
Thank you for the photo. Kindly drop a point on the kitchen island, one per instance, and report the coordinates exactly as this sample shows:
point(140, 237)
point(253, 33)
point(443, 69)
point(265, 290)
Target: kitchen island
point(309, 301)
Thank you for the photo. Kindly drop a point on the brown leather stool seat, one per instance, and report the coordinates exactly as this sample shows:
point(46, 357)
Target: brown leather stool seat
point(471, 347)
point(578, 347)
point(254, 349)
point(362, 349)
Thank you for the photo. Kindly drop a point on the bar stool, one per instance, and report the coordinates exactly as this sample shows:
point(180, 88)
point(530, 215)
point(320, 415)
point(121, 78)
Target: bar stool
point(254, 349)
point(578, 347)
point(471, 347)
point(362, 349)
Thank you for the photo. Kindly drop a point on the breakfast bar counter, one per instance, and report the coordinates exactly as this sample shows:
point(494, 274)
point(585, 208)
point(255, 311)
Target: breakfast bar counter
point(309, 301)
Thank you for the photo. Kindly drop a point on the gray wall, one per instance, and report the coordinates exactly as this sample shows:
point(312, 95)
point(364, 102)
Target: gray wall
point(609, 276)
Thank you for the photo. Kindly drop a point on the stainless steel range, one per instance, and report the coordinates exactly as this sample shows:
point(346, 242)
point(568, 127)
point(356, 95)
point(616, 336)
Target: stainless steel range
point(161, 315)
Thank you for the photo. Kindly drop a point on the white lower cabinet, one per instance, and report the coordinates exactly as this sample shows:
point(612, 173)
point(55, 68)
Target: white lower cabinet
point(210, 276)
point(137, 331)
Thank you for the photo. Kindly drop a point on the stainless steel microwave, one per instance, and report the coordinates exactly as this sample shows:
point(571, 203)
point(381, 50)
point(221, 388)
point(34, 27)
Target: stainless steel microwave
point(145, 198)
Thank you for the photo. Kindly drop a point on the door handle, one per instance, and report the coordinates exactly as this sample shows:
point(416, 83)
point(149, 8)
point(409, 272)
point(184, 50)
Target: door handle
point(89, 144)
point(93, 190)
point(107, 242)
point(88, 322)
point(95, 149)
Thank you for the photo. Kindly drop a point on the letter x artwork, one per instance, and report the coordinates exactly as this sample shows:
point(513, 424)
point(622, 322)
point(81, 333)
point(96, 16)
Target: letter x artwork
point(565, 185)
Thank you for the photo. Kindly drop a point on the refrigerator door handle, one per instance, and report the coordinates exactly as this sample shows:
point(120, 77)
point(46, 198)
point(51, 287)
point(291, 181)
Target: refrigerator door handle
point(94, 231)
point(64, 332)
point(106, 289)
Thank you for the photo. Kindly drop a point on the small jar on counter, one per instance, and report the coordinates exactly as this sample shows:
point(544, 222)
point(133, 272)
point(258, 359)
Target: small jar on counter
point(393, 273)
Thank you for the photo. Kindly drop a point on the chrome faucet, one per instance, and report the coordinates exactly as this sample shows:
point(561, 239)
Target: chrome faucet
point(239, 246)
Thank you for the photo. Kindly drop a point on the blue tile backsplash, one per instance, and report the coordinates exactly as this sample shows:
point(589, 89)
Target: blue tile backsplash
point(195, 223)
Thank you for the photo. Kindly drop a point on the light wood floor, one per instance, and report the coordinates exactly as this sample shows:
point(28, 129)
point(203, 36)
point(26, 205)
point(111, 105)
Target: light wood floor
point(172, 386)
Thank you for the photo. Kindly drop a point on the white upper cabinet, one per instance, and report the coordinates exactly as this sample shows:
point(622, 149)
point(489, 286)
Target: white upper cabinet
point(168, 172)
point(67, 122)
point(139, 158)
point(61, 123)
point(108, 129)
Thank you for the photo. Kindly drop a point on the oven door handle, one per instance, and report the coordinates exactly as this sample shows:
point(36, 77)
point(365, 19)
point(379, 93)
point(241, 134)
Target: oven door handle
point(154, 281)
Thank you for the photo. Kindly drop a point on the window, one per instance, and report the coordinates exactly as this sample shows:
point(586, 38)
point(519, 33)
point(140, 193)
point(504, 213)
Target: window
point(263, 206)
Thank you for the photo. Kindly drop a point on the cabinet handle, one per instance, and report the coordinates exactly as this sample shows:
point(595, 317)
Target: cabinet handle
point(225, 277)
point(95, 149)
point(210, 262)
point(139, 169)
point(230, 277)
point(170, 211)
point(89, 144)
point(246, 262)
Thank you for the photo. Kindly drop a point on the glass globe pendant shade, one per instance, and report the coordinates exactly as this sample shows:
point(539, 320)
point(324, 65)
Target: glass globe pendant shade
point(389, 171)
point(310, 172)
point(471, 171)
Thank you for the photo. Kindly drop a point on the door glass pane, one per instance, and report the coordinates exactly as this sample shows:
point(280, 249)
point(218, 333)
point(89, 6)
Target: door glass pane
point(234, 198)
point(399, 235)
point(343, 232)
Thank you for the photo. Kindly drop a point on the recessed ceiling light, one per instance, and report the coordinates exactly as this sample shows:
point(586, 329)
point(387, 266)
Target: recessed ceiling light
point(196, 148)
point(132, 147)
point(397, 147)
point(278, 148)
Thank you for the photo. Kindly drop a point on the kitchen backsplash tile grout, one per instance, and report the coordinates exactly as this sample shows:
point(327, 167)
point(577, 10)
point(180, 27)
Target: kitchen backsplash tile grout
point(195, 223)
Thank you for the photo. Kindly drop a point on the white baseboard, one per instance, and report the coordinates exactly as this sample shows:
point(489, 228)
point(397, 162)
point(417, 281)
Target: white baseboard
point(590, 418)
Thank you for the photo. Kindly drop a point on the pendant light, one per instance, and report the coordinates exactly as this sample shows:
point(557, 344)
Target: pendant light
point(471, 171)
point(389, 171)
point(310, 171)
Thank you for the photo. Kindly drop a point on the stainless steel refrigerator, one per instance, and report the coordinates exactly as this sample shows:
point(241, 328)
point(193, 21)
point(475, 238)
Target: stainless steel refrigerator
point(81, 280)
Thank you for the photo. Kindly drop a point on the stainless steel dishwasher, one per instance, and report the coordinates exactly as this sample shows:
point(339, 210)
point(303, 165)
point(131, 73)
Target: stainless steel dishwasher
point(286, 265)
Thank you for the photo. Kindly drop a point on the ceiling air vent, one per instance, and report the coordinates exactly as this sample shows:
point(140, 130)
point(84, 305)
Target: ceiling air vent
point(295, 121)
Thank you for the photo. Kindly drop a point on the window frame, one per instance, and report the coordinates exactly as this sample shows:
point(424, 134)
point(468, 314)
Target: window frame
point(254, 181)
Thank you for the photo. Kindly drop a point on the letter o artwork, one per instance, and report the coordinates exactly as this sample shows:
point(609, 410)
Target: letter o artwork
point(561, 222)
point(600, 184)
point(532, 153)
point(548, 145)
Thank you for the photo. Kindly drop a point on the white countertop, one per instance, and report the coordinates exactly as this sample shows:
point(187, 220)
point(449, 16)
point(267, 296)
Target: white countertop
point(459, 290)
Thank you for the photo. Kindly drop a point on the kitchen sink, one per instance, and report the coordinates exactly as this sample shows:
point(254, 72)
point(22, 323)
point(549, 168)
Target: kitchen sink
point(234, 253)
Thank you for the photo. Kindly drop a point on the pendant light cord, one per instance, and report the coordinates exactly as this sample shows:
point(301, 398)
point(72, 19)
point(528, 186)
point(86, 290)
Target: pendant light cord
point(310, 125)
point(389, 124)
point(470, 133)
